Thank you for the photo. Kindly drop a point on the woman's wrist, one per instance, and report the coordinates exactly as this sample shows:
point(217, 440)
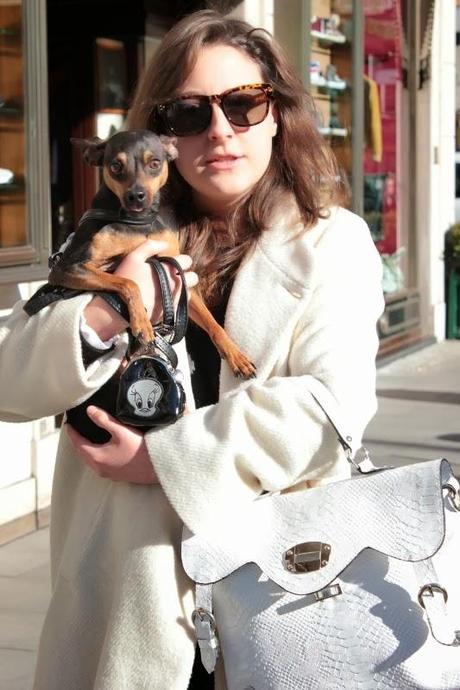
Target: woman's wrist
point(104, 319)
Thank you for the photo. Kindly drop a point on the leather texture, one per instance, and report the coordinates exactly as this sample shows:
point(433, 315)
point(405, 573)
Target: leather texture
point(382, 528)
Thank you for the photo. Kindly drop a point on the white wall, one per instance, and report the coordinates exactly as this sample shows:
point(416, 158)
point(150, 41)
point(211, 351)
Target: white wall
point(259, 13)
point(437, 187)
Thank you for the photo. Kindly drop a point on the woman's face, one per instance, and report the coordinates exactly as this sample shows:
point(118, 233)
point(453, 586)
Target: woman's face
point(224, 162)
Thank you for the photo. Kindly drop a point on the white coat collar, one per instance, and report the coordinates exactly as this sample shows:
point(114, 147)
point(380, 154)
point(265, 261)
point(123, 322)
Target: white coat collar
point(270, 292)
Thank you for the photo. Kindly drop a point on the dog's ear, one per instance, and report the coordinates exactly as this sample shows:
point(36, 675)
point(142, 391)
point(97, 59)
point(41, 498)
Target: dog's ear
point(169, 145)
point(93, 149)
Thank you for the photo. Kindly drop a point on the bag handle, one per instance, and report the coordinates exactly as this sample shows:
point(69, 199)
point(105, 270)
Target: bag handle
point(330, 407)
point(181, 323)
point(174, 324)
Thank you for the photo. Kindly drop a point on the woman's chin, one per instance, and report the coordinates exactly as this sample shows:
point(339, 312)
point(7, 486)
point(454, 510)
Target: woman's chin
point(222, 195)
point(219, 202)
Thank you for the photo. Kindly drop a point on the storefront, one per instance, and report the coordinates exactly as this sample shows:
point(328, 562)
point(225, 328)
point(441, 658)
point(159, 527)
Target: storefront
point(369, 67)
point(377, 70)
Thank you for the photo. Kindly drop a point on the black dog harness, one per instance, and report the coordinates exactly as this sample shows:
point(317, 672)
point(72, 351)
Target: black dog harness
point(47, 294)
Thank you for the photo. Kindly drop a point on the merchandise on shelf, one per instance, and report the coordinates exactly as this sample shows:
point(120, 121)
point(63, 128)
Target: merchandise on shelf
point(333, 81)
point(6, 176)
point(327, 29)
point(330, 80)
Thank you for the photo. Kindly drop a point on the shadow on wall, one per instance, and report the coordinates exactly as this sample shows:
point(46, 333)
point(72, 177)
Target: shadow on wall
point(9, 295)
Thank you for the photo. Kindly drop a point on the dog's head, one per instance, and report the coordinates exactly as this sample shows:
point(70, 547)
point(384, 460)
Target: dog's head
point(134, 163)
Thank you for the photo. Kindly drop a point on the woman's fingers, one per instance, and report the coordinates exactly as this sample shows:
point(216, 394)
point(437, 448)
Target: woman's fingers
point(147, 249)
point(123, 458)
point(104, 420)
point(185, 261)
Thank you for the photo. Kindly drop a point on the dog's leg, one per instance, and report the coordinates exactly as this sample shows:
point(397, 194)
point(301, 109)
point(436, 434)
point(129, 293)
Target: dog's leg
point(237, 360)
point(89, 277)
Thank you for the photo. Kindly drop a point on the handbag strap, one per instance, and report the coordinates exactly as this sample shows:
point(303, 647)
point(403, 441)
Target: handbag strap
point(182, 305)
point(174, 323)
point(433, 597)
point(357, 455)
point(166, 327)
point(205, 626)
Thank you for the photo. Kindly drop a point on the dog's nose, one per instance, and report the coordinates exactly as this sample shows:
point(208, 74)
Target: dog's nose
point(136, 195)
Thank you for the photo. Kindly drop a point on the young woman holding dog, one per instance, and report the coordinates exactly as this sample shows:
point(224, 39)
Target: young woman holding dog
point(254, 191)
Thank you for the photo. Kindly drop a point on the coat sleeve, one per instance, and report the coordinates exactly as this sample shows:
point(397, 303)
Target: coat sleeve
point(272, 434)
point(41, 366)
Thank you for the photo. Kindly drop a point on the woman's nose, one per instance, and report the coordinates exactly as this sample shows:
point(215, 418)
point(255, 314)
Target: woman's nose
point(219, 127)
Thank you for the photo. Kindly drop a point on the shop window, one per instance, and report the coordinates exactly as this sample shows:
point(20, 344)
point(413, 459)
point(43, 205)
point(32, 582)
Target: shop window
point(330, 77)
point(382, 109)
point(12, 136)
point(23, 169)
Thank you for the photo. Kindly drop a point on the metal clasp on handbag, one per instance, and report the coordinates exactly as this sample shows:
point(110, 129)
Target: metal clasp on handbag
point(307, 557)
point(452, 486)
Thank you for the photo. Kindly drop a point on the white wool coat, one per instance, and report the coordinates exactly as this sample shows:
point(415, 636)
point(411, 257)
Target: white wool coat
point(303, 305)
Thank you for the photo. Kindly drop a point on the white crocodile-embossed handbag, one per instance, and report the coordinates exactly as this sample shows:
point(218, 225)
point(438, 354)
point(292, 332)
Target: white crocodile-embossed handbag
point(353, 585)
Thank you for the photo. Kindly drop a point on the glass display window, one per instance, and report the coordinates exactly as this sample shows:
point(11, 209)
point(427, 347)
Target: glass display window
point(382, 115)
point(12, 131)
point(330, 78)
point(24, 153)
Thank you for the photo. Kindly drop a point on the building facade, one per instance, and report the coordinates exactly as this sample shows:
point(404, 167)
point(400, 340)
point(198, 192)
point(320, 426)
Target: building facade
point(382, 73)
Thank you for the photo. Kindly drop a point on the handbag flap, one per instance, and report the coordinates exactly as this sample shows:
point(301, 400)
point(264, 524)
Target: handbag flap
point(399, 512)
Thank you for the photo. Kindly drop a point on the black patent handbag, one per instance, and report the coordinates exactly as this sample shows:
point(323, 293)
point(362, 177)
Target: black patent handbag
point(150, 392)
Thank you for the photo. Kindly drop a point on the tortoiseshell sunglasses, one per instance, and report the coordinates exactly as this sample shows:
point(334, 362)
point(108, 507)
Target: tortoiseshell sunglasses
point(243, 106)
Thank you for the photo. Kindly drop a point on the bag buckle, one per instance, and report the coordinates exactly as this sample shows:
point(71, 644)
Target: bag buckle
point(205, 633)
point(429, 591)
point(307, 557)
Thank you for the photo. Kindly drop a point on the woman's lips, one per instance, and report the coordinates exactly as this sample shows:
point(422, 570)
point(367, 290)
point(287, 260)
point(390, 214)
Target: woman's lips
point(223, 162)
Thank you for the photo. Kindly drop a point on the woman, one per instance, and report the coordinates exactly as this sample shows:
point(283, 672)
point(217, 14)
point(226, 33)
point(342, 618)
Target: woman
point(254, 192)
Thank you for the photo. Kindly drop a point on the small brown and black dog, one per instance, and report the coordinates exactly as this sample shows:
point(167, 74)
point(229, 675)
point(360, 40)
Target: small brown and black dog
point(134, 168)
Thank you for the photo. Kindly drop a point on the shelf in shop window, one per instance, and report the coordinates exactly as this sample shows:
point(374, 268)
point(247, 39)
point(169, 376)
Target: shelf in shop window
point(11, 113)
point(321, 83)
point(14, 189)
point(328, 38)
point(10, 43)
point(339, 132)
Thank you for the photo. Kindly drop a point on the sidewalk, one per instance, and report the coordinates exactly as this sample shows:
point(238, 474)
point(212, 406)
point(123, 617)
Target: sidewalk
point(419, 408)
point(24, 595)
point(418, 418)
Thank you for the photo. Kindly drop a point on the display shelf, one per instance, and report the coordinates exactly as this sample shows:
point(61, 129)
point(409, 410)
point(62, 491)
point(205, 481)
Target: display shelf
point(339, 132)
point(11, 113)
point(10, 41)
point(330, 59)
point(328, 38)
point(15, 187)
point(322, 83)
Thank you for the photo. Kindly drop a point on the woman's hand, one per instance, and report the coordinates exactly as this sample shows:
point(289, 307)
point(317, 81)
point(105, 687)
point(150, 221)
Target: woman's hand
point(134, 266)
point(122, 459)
point(105, 321)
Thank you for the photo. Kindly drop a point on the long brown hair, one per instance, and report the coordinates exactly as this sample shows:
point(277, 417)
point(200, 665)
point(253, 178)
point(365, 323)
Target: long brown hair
point(301, 166)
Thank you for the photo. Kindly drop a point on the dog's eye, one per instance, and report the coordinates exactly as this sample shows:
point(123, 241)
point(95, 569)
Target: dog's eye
point(116, 167)
point(154, 163)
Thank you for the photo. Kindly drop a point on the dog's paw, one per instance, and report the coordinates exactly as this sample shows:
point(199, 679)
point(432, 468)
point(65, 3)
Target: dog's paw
point(142, 330)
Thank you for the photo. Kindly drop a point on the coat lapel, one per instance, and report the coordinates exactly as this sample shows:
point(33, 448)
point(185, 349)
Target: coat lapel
point(270, 292)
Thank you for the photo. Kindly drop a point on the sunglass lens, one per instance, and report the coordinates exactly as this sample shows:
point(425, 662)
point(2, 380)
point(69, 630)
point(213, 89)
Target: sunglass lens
point(188, 116)
point(246, 107)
